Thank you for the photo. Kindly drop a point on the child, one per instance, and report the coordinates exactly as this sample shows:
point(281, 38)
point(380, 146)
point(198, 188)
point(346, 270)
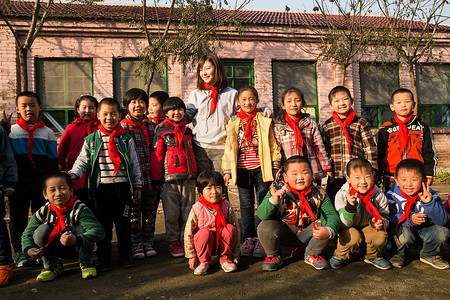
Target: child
point(173, 161)
point(62, 225)
point(143, 214)
point(34, 147)
point(8, 177)
point(114, 178)
point(212, 227)
point(345, 136)
point(416, 211)
point(297, 134)
point(405, 136)
point(155, 105)
point(296, 213)
point(72, 141)
point(251, 156)
point(364, 214)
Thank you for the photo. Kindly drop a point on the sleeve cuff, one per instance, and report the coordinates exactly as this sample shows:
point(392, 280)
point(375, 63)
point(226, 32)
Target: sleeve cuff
point(330, 231)
point(350, 208)
point(275, 203)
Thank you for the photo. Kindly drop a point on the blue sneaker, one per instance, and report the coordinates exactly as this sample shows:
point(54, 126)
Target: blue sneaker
point(316, 261)
point(336, 262)
point(272, 263)
point(379, 262)
point(21, 260)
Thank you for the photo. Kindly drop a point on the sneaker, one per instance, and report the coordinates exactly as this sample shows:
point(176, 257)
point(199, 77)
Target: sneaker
point(201, 269)
point(138, 252)
point(316, 261)
point(88, 270)
point(21, 260)
point(258, 250)
point(51, 273)
point(397, 261)
point(5, 275)
point(378, 262)
point(126, 262)
point(228, 266)
point(435, 261)
point(175, 249)
point(247, 247)
point(149, 251)
point(272, 263)
point(298, 252)
point(336, 261)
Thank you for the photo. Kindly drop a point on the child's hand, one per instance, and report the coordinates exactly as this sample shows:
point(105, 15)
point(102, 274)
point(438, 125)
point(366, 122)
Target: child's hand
point(430, 181)
point(137, 196)
point(72, 176)
point(193, 263)
point(418, 218)
point(277, 195)
point(226, 178)
point(35, 253)
point(321, 233)
point(378, 225)
point(267, 113)
point(425, 196)
point(351, 199)
point(68, 239)
point(6, 120)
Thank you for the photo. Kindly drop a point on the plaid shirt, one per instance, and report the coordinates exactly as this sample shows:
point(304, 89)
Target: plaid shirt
point(313, 146)
point(362, 144)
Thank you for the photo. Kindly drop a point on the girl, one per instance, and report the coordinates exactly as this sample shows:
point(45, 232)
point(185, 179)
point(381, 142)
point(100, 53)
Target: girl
point(212, 227)
point(72, 141)
point(251, 156)
point(297, 134)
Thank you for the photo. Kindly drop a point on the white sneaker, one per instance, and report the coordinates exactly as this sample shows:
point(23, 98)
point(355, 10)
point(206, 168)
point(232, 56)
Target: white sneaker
point(138, 252)
point(149, 251)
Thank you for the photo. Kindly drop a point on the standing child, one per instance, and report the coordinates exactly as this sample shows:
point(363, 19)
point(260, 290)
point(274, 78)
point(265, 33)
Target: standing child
point(212, 227)
point(72, 141)
point(345, 136)
point(173, 162)
point(114, 178)
point(34, 147)
point(251, 158)
point(155, 105)
point(297, 134)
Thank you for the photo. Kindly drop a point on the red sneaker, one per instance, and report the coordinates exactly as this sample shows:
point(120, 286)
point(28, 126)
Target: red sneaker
point(175, 249)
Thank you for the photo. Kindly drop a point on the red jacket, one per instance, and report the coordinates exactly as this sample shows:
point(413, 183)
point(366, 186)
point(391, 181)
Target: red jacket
point(70, 146)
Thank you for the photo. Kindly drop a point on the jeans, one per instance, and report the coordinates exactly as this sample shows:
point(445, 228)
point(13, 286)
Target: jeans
point(5, 246)
point(432, 237)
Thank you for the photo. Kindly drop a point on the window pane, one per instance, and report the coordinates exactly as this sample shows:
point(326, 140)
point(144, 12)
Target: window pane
point(433, 83)
point(377, 83)
point(441, 116)
point(240, 83)
point(425, 114)
point(228, 71)
point(239, 72)
point(370, 114)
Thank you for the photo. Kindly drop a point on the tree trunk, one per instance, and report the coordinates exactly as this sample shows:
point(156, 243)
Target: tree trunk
point(344, 71)
point(412, 78)
point(23, 70)
point(148, 82)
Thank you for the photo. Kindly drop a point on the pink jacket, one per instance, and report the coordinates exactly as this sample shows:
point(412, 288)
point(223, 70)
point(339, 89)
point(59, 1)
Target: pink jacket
point(206, 219)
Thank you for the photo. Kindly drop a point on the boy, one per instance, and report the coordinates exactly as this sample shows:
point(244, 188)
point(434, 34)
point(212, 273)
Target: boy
point(297, 213)
point(345, 136)
point(416, 212)
point(364, 213)
point(155, 105)
point(115, 177)
point(34, 147)
point(405, 136)
point(62, 225)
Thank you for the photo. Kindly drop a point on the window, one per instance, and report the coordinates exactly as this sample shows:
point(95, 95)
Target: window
point(239, 73)
point(378, 82)
point(433, 88)
point(299, 74)
point(59, 83)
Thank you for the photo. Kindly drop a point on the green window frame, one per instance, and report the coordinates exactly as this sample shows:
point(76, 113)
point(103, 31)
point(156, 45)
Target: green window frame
point(239, 73)
point(299, 74)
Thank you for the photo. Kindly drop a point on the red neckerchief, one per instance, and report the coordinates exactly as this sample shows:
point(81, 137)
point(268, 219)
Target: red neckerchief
point(220, 219)
point(366, 200)
point(156, 120)
point(90, 126)
point(344, 125)
point(293, 123)
point(178, 131)
point(407, 209)
point(60, 224)
point(304, 205)
point(24, 125)
point(403, 137)
point(248, 126)
point(212, 99)
point(142, 125)
point(112, 147)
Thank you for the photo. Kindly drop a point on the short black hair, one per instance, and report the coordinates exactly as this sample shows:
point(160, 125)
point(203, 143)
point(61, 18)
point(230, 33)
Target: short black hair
point(85, 97)
point(401, 91)
point(209, 177)
point(56, 175)
point(173, 103)
point(29, 94)
point(296, 159)
point(161, 96)
point(134, 94)
point(411, 164)
point(251, 89)
point(109, 101)
point(359, 163)
point(337, 89)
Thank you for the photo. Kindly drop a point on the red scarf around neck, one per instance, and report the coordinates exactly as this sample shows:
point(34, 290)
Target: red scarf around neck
point(293, 123)
point(91, 126)
point(344, 125)
point(407, 209)
point(212, 99)
point(179, 131)
point(24, 125)
point(142, 126)
point(112, 147)
point(60, 224)
point(403, 136)
point(156, 120)
point(304, 205)
point(220, 219)
point(248, 126)
point(369, 206)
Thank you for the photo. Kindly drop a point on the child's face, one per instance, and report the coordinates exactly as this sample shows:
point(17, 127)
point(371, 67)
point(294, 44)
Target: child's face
point(292, 104)
point(58, 192)
point(341, 103)
point(298, 176)
point(109, 116)
point(409, 181)
point(361, 179)
point(154, 108)
point(207, 72)
point(87, 110)
point(403, 105)
point(175, 115)
point(137, 108)
point(28, 108)
point(247, 101)
point(212, 193)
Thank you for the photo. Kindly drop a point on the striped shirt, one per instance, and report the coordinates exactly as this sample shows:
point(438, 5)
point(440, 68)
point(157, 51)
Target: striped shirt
point(106, 165)
point(248, 157)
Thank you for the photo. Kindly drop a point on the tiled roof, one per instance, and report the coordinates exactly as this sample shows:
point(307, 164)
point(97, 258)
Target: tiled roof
point(129, 12)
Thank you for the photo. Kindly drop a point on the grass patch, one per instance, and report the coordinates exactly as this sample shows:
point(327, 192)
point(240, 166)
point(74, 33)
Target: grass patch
point(443, 177)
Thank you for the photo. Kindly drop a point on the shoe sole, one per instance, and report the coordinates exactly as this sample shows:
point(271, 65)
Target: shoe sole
point(434, 266)
point(177, 254)
point(228, 270)
point(377, 266)
point(150, 254)
point(269, 269)
point(47, 280)
point(89, 276)
point(335, 267)
point(140, 256)
point(323, 268)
